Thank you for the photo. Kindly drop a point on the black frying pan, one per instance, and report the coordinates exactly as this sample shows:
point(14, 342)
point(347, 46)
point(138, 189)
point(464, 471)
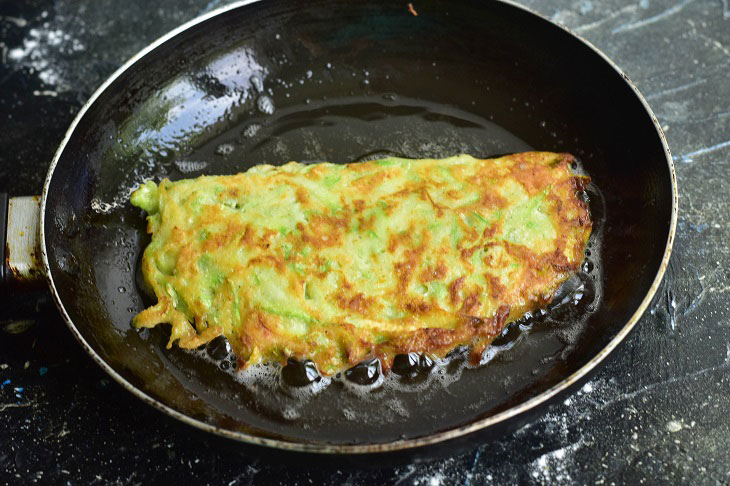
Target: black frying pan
point(337, 80)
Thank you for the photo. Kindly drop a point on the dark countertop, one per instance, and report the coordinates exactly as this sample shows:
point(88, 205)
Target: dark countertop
point(658, 412)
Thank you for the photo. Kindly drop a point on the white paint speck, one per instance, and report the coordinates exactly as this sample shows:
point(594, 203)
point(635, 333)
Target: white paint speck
point(15, 20)
point(553, 467)
point(674, 426)
point(435, 480)
point(45, 92)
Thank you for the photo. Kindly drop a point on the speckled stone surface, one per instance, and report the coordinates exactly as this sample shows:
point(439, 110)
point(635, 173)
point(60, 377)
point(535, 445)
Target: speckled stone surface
point(658, 412)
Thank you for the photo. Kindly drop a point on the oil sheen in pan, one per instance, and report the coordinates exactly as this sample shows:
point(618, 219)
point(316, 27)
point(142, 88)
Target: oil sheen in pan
point(295, 400)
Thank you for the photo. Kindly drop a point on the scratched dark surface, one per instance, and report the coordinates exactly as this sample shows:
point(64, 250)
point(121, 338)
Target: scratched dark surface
point(659, 412)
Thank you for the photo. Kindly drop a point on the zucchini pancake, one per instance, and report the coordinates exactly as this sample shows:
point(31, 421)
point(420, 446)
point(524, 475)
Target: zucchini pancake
point(339, 263)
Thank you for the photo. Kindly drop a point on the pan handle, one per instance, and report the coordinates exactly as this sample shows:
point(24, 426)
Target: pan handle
point(20, 242)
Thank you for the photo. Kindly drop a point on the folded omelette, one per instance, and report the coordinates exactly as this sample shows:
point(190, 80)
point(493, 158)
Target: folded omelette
point(339, 263)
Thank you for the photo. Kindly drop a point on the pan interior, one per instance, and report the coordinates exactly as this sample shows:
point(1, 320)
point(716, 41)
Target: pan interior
point(342, 82)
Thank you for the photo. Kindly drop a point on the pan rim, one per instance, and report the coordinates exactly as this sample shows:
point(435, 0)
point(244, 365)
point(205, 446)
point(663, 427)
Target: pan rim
point(354, 449)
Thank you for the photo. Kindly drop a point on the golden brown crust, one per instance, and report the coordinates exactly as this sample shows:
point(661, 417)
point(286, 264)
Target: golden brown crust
point(340, 263)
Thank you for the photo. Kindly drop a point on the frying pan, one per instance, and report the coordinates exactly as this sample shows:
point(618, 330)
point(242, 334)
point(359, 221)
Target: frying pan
point(343, 81)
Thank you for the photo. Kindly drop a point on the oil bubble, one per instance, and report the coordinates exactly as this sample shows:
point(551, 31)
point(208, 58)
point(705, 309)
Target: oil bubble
point(301, 379)
point(572, 300)
point(300, 373)
point(570, 291)
point(406, 364)
point(218, 348)
point(365, 373)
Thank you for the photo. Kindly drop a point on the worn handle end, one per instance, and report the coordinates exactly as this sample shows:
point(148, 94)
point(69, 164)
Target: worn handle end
point(3, 238)
point(21, 242)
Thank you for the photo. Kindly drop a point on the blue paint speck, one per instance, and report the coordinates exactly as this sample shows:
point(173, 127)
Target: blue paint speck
point(42, 370)
point(5, 383)
point(699, 227)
